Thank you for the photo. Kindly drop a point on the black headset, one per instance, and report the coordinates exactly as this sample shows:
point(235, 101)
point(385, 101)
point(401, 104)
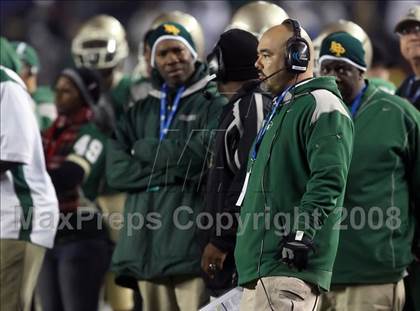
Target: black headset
point(297, 50)
point(216, 63)
point(296, 59)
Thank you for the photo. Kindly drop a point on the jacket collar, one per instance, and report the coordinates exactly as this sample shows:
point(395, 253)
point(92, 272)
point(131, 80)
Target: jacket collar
point(198, 81)
point(369, 95)
point(199, 85)
point(14, 76)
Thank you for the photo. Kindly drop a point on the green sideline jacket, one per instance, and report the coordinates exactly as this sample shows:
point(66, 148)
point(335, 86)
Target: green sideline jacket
point(163, 181)
point(383, 191)
point(300, 169)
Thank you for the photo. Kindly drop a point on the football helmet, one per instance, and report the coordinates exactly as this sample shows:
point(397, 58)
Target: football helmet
point(257, 17)
point(100, 43)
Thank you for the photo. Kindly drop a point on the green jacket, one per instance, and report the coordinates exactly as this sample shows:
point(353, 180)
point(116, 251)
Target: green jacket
point(297, 181)
point(384, 179)
point(113, 104)
point(111, 107)
point(128, 91)
point(163, 181)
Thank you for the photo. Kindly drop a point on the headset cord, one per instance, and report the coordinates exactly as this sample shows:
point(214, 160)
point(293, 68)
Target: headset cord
point(316, 301)
point(266, 209)
point(260, 257)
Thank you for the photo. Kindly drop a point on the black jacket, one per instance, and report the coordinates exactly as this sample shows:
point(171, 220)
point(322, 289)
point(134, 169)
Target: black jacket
point(410, 89)
point(239, 124)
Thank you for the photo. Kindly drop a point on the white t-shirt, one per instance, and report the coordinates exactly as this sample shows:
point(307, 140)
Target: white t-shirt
point(29, 206)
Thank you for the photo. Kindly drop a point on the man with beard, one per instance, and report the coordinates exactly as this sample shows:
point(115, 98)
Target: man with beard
point(295, 181)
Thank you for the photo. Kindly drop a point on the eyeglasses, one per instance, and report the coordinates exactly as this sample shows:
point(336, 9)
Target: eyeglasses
point(413, 29)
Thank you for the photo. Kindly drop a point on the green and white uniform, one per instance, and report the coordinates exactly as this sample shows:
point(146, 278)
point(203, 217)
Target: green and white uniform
point(29, 207)
point(89, 153)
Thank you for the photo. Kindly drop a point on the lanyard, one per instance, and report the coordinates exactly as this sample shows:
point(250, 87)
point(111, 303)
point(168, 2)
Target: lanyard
point(165, 122)
point(416, 95)
point(267, 121)
point(355, 105)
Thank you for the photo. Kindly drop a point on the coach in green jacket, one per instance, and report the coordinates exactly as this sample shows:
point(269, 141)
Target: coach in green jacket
point(287, 242)
point(158, 156)
point(382, 187)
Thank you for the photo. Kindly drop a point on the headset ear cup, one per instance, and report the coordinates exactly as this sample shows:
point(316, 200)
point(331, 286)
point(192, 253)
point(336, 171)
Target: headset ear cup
point(297, 50)
point(298, 56)
point(216, 64)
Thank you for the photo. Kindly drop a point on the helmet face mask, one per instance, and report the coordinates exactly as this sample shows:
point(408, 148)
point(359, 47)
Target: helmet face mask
point(96, 54)
point(100, 44)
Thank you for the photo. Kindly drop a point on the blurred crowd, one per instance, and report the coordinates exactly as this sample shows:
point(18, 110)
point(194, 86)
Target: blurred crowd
point(50, 25)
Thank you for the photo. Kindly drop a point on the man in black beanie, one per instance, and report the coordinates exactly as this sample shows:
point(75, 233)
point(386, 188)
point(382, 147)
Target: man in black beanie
point(232, 62)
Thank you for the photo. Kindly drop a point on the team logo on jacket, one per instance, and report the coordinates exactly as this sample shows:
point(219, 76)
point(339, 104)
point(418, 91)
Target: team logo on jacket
point(337, 49)
point(171, 29)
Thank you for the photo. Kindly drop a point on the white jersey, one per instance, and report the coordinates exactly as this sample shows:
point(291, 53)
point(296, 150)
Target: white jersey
point(29, 206)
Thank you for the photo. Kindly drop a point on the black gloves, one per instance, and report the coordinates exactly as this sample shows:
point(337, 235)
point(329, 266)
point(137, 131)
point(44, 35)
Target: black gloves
point(294, 250)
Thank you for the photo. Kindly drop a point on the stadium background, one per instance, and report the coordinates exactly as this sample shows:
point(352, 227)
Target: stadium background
point(50, 25)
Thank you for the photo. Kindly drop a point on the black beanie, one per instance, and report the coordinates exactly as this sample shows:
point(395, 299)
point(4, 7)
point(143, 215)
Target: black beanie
point(239, 52)
point(87, 81)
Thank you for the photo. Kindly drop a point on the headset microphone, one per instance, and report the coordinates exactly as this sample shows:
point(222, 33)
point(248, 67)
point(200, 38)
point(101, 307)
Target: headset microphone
point(273, 74)
point(251, 85)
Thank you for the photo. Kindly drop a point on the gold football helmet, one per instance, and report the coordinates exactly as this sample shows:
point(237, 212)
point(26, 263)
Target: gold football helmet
point(100, 43)
point(351, 28)
point(189, 22)
point(256, 17)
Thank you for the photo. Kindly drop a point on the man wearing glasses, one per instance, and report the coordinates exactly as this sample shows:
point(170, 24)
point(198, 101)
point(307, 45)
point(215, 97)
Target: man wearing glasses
point(408, 30)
